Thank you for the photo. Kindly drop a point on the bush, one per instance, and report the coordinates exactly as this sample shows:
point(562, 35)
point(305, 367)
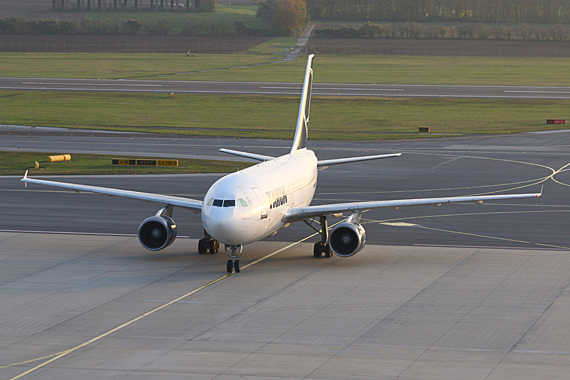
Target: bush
point(161, 27)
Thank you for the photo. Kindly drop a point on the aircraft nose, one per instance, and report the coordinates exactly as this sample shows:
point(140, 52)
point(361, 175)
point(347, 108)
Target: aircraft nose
point(223, 227)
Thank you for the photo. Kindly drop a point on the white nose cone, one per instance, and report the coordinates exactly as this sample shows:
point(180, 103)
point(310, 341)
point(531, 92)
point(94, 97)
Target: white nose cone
point(222, 225)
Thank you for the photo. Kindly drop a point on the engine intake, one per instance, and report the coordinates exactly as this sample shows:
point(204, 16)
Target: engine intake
point(157, 232)
point(347, 239)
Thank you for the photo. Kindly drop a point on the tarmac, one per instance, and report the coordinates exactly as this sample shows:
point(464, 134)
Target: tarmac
point(457, 292)
point(96, 307)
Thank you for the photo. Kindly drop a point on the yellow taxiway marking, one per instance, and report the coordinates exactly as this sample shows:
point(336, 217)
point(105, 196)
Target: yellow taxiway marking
point(397, 223)
point(525, 183)
point(496, 238)
point(400, 224)
point(61, 354)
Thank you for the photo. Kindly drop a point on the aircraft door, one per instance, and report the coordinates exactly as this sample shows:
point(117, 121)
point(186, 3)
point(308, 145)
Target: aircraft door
point(262, 202)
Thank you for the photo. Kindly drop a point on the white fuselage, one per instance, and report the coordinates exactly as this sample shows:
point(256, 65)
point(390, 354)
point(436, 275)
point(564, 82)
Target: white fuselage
point(246, 206)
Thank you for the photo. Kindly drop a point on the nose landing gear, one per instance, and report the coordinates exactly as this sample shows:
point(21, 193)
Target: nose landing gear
point(233, 263)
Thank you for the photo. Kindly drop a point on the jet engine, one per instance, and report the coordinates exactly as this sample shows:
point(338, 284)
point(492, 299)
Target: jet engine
point(347, 239)
point(157, 232)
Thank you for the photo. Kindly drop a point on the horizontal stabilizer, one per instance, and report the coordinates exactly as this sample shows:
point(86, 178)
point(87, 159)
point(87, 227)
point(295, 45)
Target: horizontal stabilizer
point(338, 161)
point(253, 156)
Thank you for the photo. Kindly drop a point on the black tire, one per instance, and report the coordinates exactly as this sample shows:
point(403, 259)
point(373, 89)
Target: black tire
point(236, 266)
point(213, 246)
point(230, 266)
point(327, 249)
point(201, 246)
point(317, 250)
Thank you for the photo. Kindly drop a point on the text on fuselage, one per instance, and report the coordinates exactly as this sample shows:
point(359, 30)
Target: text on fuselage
point(277, 197)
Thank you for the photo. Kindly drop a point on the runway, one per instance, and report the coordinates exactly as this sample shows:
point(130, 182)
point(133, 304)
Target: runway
point(457, 292)
point(261, 88)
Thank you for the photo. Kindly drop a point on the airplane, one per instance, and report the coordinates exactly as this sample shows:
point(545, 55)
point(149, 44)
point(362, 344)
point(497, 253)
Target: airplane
point(251, 204)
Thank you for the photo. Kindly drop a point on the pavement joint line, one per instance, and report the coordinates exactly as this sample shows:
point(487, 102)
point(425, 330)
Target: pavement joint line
point(61, 354)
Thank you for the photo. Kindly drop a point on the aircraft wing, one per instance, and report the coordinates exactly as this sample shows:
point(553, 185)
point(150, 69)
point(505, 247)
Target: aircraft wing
point(302, 213)
point(355, 159)
point(192, 204)
point(253, 156)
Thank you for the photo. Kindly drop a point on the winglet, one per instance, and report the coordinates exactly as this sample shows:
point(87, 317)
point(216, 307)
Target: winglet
point(25, 175)
point(302, 130)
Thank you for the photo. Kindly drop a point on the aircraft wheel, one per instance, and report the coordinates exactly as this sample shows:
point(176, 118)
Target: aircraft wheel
point(327, 250)
point(201, 246)
point(317, 250)
point(236, 266)
point(213, 246)
point(230, 266)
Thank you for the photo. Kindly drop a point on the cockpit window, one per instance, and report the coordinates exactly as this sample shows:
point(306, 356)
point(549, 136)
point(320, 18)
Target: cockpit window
point(229, 203)
point(210, 201)
point(218, 202)
point(241, 202)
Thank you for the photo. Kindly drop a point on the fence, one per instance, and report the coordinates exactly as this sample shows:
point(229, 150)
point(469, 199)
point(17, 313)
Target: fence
point(124, 48)
point(453, 51)
point(218, 48)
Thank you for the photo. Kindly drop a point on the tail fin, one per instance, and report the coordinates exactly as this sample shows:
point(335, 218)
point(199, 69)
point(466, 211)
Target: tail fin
point(302, 130)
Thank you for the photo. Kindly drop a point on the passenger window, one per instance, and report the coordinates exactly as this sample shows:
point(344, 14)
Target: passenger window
point(229, 203)
point(241, 203)
point(218, 202)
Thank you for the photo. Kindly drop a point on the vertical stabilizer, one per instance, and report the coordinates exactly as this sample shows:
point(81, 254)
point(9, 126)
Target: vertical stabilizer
point(302, 131)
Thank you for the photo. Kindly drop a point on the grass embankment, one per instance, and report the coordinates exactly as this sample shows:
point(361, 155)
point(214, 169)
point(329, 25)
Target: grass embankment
point(478, 71)
point(16, 163)
point(275, 116)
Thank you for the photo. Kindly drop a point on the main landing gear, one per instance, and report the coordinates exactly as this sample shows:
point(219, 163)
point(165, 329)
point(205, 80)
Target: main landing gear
point(208, 244)
point(322, 246)
point(233, 263)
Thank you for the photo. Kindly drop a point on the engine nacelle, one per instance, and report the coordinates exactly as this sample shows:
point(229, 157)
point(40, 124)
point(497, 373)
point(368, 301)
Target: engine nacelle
point(157, 232)
point(347, 239)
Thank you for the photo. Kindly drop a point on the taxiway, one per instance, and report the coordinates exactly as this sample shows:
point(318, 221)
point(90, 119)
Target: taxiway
point(456, 292)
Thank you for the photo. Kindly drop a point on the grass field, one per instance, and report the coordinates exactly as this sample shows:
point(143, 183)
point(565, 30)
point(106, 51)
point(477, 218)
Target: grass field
point(275, 116)
point(328, 68)
point(226, 13)
point(407, 70)
point(16, 163)
point(115, 66)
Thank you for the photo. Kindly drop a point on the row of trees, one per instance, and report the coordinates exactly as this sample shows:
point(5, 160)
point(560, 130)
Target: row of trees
point(492, 11)
point(163, 26)
point(288, 15)
point(466, 31)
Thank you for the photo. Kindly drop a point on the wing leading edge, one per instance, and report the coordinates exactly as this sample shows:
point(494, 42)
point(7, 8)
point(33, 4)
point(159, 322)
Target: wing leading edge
point(302, 213)
point(338, 161)
point(253, 156)
point(191, 204)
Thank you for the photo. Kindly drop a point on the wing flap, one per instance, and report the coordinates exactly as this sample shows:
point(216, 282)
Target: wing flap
point(302, 213)
point(192, 204)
